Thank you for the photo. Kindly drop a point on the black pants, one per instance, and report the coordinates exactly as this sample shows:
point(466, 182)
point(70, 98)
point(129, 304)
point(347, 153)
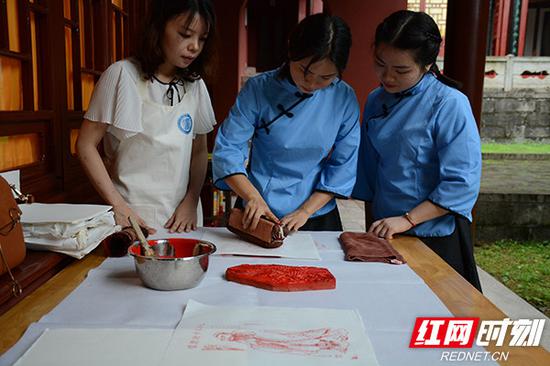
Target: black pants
point(457, 250)
point(327, 222)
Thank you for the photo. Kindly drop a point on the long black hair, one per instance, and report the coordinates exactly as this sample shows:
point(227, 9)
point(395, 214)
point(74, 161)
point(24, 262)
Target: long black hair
point(416, 32)
point(149, 51)
point(319, 36)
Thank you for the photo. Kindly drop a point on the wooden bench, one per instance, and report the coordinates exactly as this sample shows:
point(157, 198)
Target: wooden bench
point(37, 268)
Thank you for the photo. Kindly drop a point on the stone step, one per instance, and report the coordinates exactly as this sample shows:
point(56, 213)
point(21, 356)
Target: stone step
point(509, 156)
point(512, 216)
point(516, 177)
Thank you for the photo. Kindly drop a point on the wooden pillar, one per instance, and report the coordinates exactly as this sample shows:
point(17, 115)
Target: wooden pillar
point(522, 26)
point(138, 11)
point(232, 55)
point(315, 6)
point(465, 46)
point(362, 17)
point(57, 83)
point(422, 6)
point(302, 9)
point(500, 28)
point(102, 31)
point(514, 28)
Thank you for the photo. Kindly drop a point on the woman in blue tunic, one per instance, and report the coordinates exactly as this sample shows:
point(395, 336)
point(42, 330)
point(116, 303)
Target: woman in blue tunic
point(420, 158)
point(303, 123)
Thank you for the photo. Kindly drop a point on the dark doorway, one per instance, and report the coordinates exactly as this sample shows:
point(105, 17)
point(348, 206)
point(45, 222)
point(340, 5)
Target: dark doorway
point(269, 23)
point(545, 39)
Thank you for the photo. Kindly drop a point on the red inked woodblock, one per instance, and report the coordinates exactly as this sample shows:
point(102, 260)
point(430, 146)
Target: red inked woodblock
point(276, 277)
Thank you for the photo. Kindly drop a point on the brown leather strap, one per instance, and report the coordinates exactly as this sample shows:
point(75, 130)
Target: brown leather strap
point(15, 218)
point(15, 287)
point(21, 197)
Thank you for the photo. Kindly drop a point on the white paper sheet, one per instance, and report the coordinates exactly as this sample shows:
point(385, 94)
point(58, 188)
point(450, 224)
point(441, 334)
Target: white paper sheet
point(296, 246)
point(272, 336)
point(386, 302)
point(12, 177)
point(59, 212)
point(388, 298)
point(213, 335)
point(92, 347)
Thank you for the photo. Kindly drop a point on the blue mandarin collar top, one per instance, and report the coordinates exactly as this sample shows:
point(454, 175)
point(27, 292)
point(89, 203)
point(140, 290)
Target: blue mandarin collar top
point(417, 145)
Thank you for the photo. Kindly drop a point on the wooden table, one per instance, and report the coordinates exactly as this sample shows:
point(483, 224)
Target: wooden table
point(458, 295)
point(462, 299)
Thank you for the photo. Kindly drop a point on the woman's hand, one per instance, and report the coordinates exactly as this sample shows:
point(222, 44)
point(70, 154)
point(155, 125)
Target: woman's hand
point(255, 204)
point(387, 227)
point(295, 220)
point(123, 211)
point(254, 209)
point(89, 137)
point(184, 218)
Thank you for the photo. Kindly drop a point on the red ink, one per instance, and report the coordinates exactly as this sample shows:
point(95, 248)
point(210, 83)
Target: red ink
point(195, 339)
point(323, 342)
point(491, 74)
point(213, 347)
point(534, 74)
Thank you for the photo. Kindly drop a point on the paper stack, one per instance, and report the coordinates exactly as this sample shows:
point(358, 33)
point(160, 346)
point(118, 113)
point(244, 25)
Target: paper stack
point(70, 229)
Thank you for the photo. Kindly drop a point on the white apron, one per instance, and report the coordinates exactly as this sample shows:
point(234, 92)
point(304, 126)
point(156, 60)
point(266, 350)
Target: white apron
point(151, 168)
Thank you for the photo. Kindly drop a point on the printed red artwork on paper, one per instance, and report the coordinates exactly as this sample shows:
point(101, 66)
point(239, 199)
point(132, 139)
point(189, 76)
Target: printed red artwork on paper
point(324, 342)
point(276, 277)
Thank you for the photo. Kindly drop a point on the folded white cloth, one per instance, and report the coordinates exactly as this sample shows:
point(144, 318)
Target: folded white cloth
point(76, 247)
point(60, 230)
point(74, 239)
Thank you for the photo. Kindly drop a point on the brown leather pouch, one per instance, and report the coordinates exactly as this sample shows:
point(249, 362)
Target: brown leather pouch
point(116, 244)
point(12, 243)
point(268, 234)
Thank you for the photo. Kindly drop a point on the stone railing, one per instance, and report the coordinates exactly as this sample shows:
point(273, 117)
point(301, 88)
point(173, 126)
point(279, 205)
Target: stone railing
point(510, 72)
point(516, 99)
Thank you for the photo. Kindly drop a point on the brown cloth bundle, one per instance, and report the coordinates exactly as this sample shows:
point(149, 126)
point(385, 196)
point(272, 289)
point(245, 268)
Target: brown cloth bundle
point(268, 234)
point(116, 244)
point(367, 247)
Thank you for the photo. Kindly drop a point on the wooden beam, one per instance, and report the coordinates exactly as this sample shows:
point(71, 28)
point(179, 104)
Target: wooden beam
point(88, 35)
point(422, 5)
point(465, 46)
point(502, 9)
point(4, 30)
point(26, 48)
point(17, 55)
point(75, 41)
point(56, 83)
point(523, 26)
point(102, 30)
point(119, 51)
point(23, 116)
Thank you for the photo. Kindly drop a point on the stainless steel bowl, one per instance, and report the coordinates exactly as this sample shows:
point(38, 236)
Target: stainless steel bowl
point(178, 263)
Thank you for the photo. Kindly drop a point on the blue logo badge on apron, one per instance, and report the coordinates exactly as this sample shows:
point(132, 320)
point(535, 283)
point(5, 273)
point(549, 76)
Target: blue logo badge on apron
point(185, 123)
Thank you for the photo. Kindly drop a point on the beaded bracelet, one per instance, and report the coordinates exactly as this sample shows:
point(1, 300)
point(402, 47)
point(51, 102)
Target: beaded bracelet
point(408, 217)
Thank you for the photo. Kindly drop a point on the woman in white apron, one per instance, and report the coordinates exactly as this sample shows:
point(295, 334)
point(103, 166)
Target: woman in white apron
point(153, 113)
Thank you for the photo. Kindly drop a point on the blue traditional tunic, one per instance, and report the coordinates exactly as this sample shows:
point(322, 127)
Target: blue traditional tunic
point(417, 145)
point(301, 143)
